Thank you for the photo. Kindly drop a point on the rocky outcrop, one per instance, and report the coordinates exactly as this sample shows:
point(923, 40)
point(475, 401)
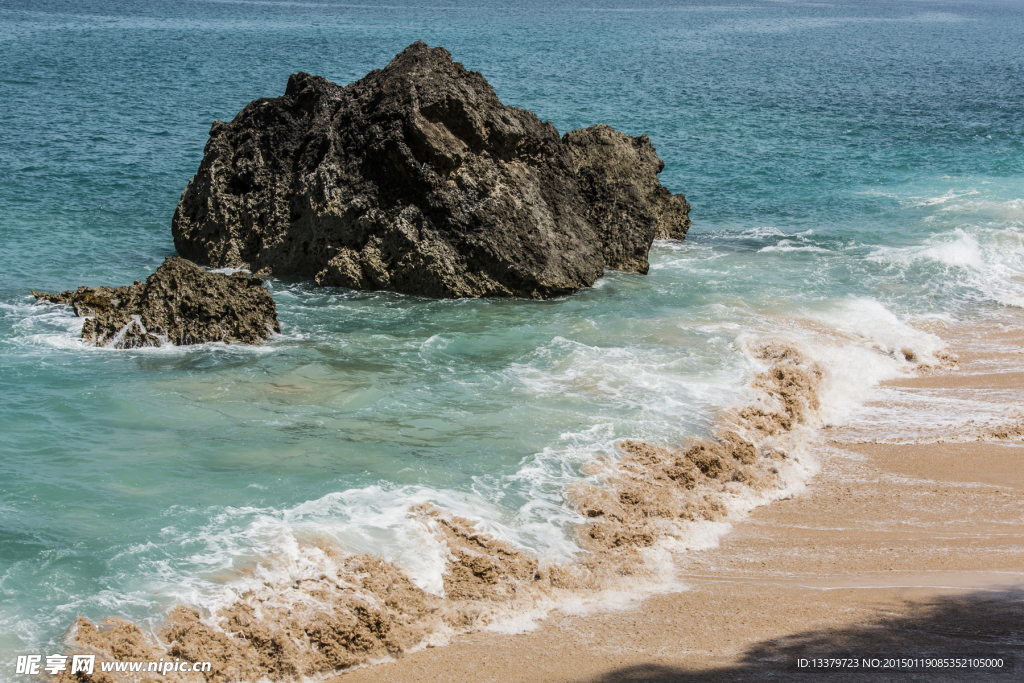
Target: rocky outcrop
point(179, 304)
point(415, 179)
point(619, 175)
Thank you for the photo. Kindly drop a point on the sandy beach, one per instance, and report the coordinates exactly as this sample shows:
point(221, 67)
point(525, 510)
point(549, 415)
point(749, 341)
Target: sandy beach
point(908, 543)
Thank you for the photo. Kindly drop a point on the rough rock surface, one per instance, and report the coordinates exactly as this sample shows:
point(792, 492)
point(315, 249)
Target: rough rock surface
point(179, 304)
point(625, 169)
point(415, 179)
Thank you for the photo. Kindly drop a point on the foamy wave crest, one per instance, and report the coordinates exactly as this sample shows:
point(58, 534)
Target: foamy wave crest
point(957, 249)
point(53, 326)
point(43, 325)
point(985, 263)
point(950, 195)
point(871, 321)
point(761, 232)
point(988, 210)
point(307, 590)
point(786, 246)
point(898, 416)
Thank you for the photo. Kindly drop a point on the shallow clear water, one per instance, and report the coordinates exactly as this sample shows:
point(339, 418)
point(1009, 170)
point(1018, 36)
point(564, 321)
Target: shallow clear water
point(856, 166)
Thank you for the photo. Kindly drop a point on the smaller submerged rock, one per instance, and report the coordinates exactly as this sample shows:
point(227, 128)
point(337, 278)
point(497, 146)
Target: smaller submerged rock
point(418, 179)
point(179, 304)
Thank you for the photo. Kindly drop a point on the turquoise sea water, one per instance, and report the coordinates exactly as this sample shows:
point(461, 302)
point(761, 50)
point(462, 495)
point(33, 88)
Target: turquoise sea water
point(859, 165)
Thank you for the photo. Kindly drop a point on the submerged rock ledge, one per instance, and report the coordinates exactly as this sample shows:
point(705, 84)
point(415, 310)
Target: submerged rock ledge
point(417, 179)
point(179, 304)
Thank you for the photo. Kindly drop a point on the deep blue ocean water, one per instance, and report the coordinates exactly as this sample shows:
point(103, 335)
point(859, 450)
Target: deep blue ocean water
point(859, 165)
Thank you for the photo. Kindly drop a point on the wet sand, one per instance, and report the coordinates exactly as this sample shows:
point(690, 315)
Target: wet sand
point(905, 549)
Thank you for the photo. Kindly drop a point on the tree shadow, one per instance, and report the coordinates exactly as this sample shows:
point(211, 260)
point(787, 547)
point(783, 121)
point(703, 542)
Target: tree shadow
point(986, 624)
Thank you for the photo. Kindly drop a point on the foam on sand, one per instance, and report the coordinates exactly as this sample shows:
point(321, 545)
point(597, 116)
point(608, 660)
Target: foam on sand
point(326, 610)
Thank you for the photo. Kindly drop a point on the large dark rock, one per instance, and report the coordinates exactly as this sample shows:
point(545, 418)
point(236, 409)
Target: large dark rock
point(415, 179)
point(179, 304)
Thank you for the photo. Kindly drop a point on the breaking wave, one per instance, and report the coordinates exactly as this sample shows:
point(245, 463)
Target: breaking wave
point(313, 598)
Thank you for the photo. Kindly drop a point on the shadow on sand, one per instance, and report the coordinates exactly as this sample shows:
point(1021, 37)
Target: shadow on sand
point(987, 624)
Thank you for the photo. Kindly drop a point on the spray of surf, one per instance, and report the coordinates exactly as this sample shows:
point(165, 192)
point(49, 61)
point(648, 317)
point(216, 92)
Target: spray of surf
point(324, 610)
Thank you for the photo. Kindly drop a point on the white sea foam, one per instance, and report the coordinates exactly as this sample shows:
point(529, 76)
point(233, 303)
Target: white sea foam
point(787, 246)
point(242, 549)
point(981, 262)
point(950, 195)
point(871, 321)
point(901, 415)
point(53, 326)
point(958, 249)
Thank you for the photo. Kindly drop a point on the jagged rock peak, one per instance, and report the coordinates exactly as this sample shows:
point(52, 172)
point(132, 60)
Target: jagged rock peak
point(416, 179)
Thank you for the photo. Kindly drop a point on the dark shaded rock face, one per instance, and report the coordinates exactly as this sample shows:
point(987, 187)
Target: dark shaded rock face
point(415, 179)
point(619, 177)
point(179, 304)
